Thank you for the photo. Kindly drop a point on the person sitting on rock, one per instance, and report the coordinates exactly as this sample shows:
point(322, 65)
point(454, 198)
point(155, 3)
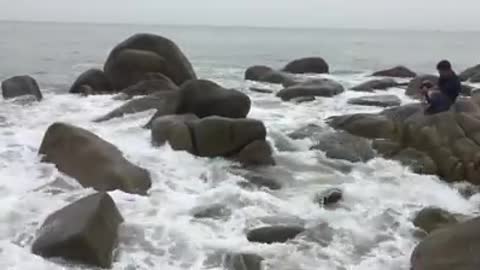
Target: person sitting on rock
point(442, 97)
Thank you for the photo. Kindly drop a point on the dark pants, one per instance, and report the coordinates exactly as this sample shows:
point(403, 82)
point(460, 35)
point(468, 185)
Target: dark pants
point(438, 102)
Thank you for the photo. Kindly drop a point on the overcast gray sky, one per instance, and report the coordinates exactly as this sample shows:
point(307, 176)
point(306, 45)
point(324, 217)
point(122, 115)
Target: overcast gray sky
point(405, 14)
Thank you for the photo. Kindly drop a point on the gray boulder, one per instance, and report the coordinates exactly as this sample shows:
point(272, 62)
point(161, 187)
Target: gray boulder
point(329, 197)
point(316, 87)
point(307, 65)
point(92, 161)
point(175, 130)
point(469, 73)
point(431, 218)
point(21, 86)
point(342, 145)
point(376, 84)
point(92, 81)
point(155, 83)
point(85, 231)
point(140, 54)
point(274, 234)
point(377, 100)
point(398, 72)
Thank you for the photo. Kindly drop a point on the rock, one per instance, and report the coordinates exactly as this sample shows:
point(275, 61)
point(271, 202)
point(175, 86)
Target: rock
point(306, 132)
point(377, 84)
point(364, 125)
point(274, 234)
point(261, 180)
point(475, 78)
point(418, 162)
point(414, 87)
point(282, 142)
point(341, 145)
point(257, 153)
point(469, 73)
point(261, 90)
point(217, 136)
point(92, 161)
point(316, 87)
point(398, 72)
point(451, 248)
point(378, 100)
point(92, 81)
point(307, 65)
point(166, 103)
point(21, 86)
point(329, 197)
point(216, 211)
point(255, 73)
point(303, 99)
point(242, 262)
point(322, 234)
point(173, 129)
point(205, 98)
point(386, 148)
point(267, 74)
point(140, 54)
point(160, 83)
point(85, 231)
point(432, 218)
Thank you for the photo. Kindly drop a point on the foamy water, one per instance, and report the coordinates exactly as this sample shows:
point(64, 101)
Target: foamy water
point(371, 229)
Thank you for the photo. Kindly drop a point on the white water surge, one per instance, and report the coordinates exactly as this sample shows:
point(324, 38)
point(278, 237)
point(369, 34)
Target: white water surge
point(370, 230)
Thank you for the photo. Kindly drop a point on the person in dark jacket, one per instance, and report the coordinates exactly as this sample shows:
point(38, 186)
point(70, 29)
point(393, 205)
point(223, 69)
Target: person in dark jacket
point(448, 88)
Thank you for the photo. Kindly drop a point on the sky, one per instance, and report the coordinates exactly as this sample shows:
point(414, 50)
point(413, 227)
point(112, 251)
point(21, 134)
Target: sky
point(373, 14)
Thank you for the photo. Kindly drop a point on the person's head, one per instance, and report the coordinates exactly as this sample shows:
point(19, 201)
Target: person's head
point(444, 68)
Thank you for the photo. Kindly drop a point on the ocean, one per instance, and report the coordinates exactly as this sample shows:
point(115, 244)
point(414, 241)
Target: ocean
point(371, 229)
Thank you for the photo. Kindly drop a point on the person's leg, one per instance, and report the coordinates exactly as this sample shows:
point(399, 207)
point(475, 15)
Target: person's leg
point(438, 103)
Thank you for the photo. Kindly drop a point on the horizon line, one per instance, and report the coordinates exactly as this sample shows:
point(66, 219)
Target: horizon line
point(242, 26)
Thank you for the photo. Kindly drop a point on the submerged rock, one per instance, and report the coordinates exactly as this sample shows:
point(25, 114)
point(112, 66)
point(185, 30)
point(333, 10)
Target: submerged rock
point(216, 211)
point(257, 153)
point(140, 54)
point(274, 234)
point(242, 262)
point(306, 132)
point(377, 84)
point(450, 248)
point(85, 231)
point(312, 88)
point(378, 101)
point(341, 145)
point(261, 90)
point(432, 218)
point(329, 197)
point(156, 83)
point(92, 161)
point(173, 129)
point(307, 65)
point(92, 81)
point(21, 86)
point(398, 71)
point(303, 99)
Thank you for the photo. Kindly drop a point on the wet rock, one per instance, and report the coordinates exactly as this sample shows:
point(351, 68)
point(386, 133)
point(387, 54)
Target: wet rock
point(255, 73)
point(165, 103)
point(92, 81)
point(85, 231)
point(364, 125)
point(216, 211)
point(432, 218)
point(341, 145)
point(386, 148)
point(274, 234)
point(306, 132)
point(20, 86)
point(469, 73)
point(140, 54)
point(158, 83)
point(261, 90)
point(376, 84)
point(260, 180)
point(419, 162)
point(378, 101)
point(307, 65)
point(316, 87)
point(398, 71)
point(329, 197)
point(242, 262)
point(92, 161)
point(173, 129)
point(321, 234)
point(257, 153)
point(282, 142)
point(205, 98)
point(303, 99)
point(267, 74)
point(449, 248)
point(475, 78)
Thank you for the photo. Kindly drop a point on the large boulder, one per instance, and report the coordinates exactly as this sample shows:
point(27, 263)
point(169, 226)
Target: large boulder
point(85, 231)
point(316, 87)
point(398, 72)
point(274, 234)
point(21, 86)
point(451, 139)
point(92, 81)
point(173, 129)
point(205, 98)
point(307, 65)
point(130, 60)
point(153, 83)
point(469, 73)
point(92, 161)
point(432, 218)
point(376, 84)
point(242, 262)
point(451, 248)
point(257, 153)
point(165, 102)
point(377, 100)
point(267, 74)
point(342, 145)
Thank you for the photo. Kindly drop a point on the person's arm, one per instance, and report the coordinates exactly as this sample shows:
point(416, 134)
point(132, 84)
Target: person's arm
point(452, 88)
